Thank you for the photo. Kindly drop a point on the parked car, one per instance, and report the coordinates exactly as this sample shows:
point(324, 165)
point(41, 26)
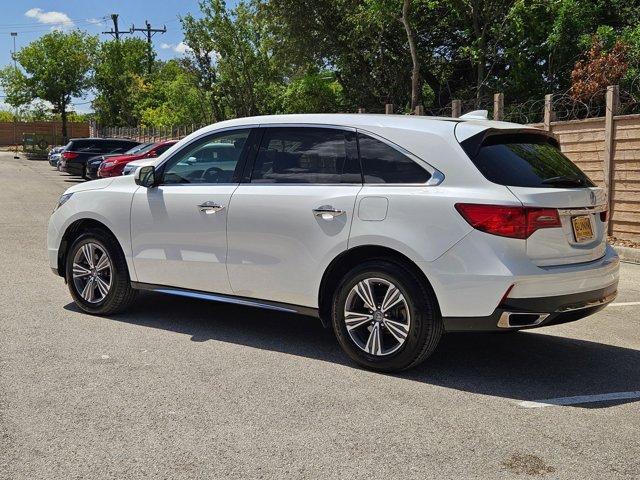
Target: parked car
point(79, 150)
point(94, 163)
point(390, 229)
point(130, 167)
point(54, 155)
point(113, 166)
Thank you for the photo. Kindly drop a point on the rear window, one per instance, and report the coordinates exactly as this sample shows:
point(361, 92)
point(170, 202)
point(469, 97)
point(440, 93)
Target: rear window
point(101, 145)
point(522, 160)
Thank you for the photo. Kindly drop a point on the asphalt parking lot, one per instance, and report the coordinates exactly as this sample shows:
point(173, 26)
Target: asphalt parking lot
point(181, 388)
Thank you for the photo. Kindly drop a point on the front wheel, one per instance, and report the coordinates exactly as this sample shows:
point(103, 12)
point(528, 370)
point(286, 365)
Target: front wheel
point(97, 274)
point(385, 317)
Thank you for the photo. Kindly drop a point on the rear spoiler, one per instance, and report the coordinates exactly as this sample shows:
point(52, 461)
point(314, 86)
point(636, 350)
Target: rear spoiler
point(492, 136)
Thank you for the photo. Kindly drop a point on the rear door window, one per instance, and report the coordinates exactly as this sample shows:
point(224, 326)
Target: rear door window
point(522, 160)
point(309, 155)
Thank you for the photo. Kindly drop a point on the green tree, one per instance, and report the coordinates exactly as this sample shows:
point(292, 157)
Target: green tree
point(313, 93)
point(120, 67)
point(56, 68)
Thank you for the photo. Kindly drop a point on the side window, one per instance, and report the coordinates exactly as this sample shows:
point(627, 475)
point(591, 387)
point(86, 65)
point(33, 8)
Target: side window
point(210, 160)
point(384, 164)
point(306, 155)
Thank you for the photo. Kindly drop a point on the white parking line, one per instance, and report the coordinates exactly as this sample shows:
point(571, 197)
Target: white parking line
point(623, 304)
point(554, 402)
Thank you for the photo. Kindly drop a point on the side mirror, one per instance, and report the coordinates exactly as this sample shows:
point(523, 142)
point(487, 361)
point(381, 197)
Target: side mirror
point(146, 176)
point(191, 160)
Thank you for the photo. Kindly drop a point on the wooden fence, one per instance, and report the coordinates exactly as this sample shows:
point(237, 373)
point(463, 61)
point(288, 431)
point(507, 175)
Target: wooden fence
point(11, 132)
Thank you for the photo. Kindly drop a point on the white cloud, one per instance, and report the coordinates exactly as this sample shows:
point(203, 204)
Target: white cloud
point(55, 19)
point(180, 48)
point(95, 21)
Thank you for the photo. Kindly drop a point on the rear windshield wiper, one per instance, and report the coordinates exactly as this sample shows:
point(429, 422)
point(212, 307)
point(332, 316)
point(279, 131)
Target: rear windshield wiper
point(568, 180)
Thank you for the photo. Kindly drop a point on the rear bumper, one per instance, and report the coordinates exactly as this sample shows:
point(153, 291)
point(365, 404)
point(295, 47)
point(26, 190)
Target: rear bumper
point(72, 168)
point(525, 313)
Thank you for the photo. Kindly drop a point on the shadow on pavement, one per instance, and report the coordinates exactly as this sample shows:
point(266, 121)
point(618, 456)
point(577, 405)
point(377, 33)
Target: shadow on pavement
point(520, 366)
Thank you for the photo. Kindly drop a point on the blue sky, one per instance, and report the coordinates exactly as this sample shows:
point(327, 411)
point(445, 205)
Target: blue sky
point(31, 19)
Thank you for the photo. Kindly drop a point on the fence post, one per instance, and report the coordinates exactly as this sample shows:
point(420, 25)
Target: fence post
point(388, 108)
point(419, 110)
point(360, 110)
point(498, 106)
point(456, 108)
point(613, 103)
point(548, 111)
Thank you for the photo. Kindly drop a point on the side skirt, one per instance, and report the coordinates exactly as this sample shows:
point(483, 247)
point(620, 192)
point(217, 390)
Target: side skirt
point(219, 297)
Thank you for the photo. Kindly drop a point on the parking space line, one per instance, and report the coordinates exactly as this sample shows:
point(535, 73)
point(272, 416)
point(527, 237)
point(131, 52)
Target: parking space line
point(555, 402)
point(623, 304)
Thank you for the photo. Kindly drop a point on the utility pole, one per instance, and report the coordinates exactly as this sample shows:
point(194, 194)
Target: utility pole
point(115, 32)
point(15, 114)
point(149, 32)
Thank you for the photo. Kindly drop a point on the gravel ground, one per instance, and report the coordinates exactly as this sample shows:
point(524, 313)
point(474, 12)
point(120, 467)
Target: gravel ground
point(181, 389)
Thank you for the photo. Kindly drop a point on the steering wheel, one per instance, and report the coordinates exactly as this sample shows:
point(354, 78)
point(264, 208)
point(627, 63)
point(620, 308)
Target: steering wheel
point(211, 174)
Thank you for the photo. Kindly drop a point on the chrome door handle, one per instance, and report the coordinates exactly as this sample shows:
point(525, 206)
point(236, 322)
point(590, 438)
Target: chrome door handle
point(210, 207)
point(327, 212)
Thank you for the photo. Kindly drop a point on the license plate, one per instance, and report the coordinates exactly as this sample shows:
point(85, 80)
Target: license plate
point(582, 229)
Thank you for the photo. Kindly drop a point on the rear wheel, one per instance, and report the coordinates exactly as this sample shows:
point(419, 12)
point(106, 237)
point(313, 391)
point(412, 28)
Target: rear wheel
point(97, 274)
point(385, 318)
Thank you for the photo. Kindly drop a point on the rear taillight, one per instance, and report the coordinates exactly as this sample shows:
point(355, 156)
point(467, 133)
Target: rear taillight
point(604, 215)
point(69, 155)
point(508, 221)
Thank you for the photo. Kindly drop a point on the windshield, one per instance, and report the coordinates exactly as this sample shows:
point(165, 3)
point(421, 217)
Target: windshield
point(142, 148)
point(521, 160)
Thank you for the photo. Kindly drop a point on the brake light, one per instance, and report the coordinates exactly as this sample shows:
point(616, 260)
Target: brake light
point(69, 155)
point(508, 221)
point(604, 215)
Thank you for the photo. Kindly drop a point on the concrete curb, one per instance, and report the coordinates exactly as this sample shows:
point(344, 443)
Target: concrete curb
point(628, 254)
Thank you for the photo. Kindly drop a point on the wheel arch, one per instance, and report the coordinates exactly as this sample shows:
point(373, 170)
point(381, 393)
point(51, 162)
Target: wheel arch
point(73, 231)
point(350, 258)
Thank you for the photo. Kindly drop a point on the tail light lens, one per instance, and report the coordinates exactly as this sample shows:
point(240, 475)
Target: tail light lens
point(508, 221)
point(69, 155)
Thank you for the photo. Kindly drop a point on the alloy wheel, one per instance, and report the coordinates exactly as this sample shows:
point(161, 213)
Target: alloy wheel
point(377, 316)
point(92, 272)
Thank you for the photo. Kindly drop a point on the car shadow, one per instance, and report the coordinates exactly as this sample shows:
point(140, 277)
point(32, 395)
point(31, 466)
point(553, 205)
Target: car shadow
point(519, 366)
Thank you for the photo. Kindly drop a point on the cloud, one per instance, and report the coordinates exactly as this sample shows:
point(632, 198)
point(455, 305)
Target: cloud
point(95, 21)
point(56, 19)
point(180, 48)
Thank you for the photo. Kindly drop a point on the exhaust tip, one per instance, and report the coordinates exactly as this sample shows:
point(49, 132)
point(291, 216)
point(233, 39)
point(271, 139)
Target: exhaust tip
point(520, 320)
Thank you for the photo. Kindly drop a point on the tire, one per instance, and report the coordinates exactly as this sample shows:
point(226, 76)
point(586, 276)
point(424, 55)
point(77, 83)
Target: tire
point(119, 294)
point(418, 311)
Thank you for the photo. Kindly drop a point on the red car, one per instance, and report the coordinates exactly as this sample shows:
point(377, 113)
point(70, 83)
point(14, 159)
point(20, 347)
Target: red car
point(113, 166)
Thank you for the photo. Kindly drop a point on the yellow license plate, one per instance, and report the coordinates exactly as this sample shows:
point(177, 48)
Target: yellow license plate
point(582, 228)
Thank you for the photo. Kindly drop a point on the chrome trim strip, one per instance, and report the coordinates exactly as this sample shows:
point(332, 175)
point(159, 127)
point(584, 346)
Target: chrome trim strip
point(232, 299)
point(593, 303)
point(582, 210)
point(219, 298)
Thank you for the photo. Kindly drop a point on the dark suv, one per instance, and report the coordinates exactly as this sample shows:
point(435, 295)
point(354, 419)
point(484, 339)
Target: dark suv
point(79, 150)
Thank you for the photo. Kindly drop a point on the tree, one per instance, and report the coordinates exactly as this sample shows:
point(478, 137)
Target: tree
point(56, 68)
point(120, 66)
point(315, 92)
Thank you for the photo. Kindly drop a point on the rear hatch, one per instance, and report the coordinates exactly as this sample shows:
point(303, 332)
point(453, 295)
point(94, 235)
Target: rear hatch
point(531, 165)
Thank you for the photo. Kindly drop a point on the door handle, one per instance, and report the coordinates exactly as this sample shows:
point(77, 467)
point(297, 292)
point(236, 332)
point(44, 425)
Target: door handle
point(210, 207)
point(327, 212)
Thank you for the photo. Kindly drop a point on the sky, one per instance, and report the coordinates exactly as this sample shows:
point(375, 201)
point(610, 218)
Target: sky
point(31, 19)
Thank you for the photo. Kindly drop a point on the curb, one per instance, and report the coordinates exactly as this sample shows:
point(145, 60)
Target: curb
point(628, 254)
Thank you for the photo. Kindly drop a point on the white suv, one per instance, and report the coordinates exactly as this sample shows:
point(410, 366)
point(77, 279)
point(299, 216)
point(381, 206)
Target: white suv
point(390, 229)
